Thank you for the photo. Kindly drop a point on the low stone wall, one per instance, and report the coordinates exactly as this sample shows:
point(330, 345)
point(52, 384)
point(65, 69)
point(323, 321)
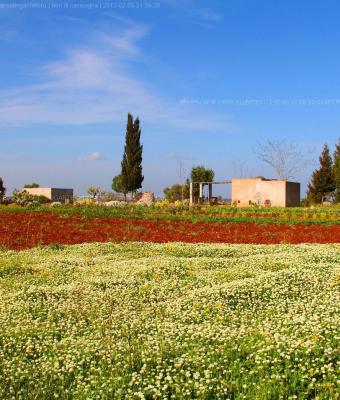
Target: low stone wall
point(146, 198)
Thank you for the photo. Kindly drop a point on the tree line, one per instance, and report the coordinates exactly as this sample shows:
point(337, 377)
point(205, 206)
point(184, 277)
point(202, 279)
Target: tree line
point(285, 158)
point(325, 181)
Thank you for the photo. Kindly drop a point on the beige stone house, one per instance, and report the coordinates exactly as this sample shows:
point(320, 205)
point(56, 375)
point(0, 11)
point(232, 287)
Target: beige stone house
point(54, 194)
point(265, 192)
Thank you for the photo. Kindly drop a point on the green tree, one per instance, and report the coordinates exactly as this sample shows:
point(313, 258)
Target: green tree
point(336, 168)
point(322, 182)
point(131, 174)
point(2, 190)
point(200, 174)
point(177, 192)
point(94, 191)
point(31, 185)
point(118, 185)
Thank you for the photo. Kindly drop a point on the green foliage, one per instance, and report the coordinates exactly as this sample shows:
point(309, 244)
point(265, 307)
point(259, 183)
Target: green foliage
point(305, 202)
point(2, 190)
point(25, 199)
point(165, 210)
point(31, 185)
point(177, 192)
point(94, 191)
point(131, 174)
point(118, 185)
point(322, 182)
point(201, 174)
point(108, 196)
point(337, 172)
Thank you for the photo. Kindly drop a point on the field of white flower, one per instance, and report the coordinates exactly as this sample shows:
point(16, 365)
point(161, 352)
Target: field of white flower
point(170, 321)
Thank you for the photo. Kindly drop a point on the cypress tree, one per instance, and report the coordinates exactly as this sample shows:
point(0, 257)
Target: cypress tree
point(2, 190)
point(337, 171)
point(131, 174)
point(322, 182)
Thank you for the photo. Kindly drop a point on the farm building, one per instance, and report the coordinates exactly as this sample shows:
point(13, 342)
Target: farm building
point(261, 191)
point(54, 194)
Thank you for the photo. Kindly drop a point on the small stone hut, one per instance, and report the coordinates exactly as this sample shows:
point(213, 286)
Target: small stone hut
point(265, 192)
point(53, 194)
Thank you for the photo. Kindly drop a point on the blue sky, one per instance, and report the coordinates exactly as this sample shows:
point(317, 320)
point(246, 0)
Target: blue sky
point(208, 79)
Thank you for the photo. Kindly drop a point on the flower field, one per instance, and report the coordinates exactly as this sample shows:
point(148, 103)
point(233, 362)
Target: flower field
point(169, 321)
point(21, 230)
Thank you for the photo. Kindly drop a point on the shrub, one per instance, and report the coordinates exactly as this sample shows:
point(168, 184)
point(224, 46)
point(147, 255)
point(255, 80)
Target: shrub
point(23, 198)
point(108, 196)
point(55, 204)
point(116, 204)
point(94, 191)
point(177, 192)
point(85, 202)
point(305, 202)
point(32, 204)
point(176, 206)
point(162, 204)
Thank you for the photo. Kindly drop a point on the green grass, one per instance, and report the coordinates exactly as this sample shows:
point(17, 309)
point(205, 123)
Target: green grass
point(270, 215)
point(171, 321)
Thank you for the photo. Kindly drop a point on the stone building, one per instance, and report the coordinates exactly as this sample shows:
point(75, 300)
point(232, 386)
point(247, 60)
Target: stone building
point(261, 191)
point(53, 194)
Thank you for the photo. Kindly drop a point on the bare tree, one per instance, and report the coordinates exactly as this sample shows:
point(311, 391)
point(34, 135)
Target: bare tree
point(181, 172)
point(287, 159)
point(241, 169)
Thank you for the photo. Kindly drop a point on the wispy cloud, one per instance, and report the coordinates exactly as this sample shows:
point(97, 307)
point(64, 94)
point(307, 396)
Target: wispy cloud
point(95, 156)
point(208, 15)
point(191, 12)
point(94, 84)
point(89, 85)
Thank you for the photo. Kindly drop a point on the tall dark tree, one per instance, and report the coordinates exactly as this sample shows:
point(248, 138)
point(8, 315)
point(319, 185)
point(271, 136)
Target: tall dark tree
point(322, 182)
point(2, 190)
point(131, 174)
point(336, 168)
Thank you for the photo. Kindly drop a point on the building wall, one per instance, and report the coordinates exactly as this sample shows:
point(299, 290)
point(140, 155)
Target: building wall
point(292, 194)
point(275, 193)
point(54, 194)
point(39, 192)
point(62, 195)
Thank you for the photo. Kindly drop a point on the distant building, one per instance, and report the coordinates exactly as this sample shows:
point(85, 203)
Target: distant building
point(265, 192)
point(54, 194)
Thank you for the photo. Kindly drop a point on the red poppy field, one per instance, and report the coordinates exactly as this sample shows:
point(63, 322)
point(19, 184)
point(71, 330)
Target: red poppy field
point(29, 229)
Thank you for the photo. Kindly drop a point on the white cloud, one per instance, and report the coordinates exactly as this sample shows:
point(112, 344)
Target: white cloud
point(189, 12)
point(210, 16)
point(95, 156)
point(94, 84)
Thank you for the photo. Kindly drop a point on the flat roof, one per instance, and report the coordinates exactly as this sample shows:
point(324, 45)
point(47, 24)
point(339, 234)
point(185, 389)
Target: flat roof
point(47, 188)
